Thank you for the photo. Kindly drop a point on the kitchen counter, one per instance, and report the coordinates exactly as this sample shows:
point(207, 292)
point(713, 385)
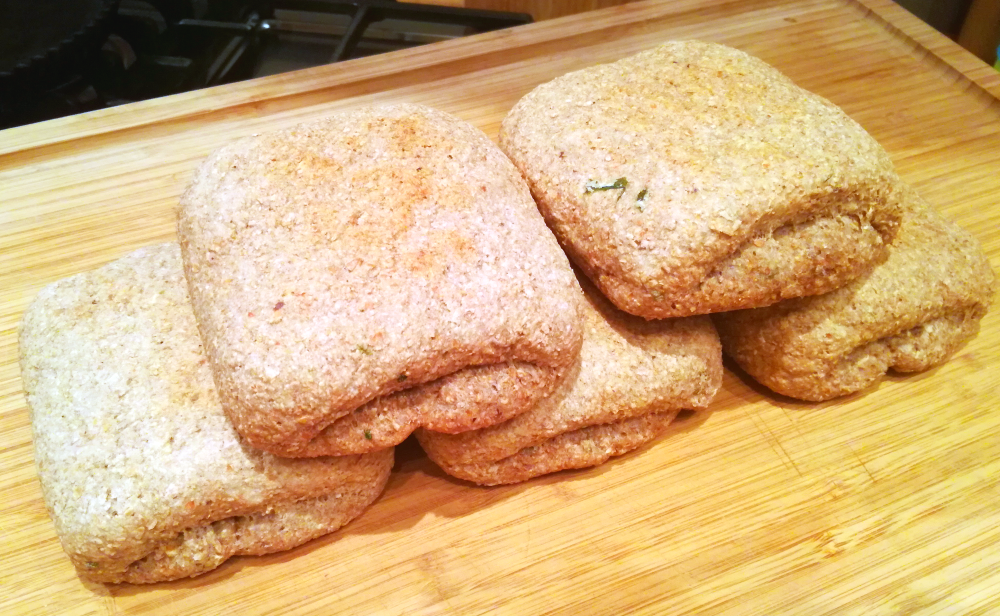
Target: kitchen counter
point(881, 503)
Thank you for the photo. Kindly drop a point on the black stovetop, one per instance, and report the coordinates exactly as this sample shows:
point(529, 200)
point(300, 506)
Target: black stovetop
point(91, 54)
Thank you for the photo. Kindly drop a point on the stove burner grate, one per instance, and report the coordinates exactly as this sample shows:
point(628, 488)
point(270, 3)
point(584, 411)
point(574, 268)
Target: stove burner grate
point(161, 47)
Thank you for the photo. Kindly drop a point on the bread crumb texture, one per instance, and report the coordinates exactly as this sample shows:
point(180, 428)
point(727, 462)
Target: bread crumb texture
point(630, 380)
point(387, 260)
point(142, 473)
point(908, 314)
point(694, 178)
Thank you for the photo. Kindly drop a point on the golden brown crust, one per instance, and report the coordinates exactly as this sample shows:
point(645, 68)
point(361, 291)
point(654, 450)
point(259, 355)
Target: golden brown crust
point(910, 313)
point(377, 251)
point(282, 527)
point(479, 395)
point(142, 473)
point(742, 188)
point(582, 448)
point(628, 369)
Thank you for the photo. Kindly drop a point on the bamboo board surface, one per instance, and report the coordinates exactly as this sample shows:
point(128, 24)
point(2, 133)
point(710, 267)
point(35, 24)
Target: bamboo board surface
point(882, 503)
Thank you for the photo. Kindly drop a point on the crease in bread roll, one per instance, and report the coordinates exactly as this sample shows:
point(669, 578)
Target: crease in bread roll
point(143, 475)
point(693, 178)
point(630, 380)
point(581, 448)
point(360, 276)
point(908, 314)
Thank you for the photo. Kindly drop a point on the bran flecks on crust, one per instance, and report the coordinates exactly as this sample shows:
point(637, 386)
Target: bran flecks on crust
point(386, 260)
point(909, 314)
point(693, 178)
point(142, 473)
point(631, 378)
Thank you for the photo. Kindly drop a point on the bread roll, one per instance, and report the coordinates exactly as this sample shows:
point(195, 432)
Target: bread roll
point(693, 178)
point(360, 276)
point(631, 379)
point(909, 314)
point(142, 473)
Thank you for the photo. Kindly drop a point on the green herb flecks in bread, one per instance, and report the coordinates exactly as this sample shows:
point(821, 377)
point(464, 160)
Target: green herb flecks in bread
point(693, 178)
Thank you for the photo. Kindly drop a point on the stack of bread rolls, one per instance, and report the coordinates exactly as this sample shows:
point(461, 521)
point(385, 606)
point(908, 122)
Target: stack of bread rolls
point(388, 271)
point(696, 179)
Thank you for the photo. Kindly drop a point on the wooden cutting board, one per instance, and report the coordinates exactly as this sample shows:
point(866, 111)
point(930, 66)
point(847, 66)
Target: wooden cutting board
point(882, 503)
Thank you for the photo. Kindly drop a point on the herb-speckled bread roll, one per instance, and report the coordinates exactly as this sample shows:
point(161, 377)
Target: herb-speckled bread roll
point(693, 178)
point(379, 270)
point(143, 475)
point(632, 377)
point(909, 314)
